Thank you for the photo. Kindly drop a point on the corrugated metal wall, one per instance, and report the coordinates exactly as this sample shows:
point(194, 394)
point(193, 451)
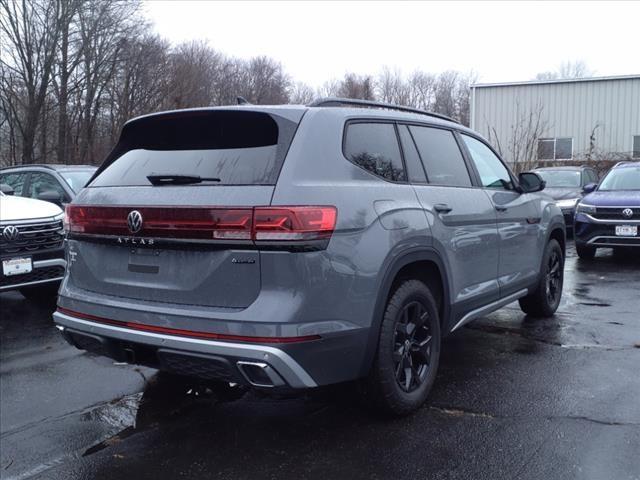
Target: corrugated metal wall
point(569, 109)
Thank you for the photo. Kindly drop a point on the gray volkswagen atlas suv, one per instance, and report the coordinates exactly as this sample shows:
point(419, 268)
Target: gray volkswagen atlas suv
point(294, 247)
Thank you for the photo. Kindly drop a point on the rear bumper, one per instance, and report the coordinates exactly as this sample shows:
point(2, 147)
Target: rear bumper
point(292, 366)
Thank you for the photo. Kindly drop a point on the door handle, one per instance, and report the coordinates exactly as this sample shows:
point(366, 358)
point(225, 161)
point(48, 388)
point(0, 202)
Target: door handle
point(442, 208)
point(501, 208)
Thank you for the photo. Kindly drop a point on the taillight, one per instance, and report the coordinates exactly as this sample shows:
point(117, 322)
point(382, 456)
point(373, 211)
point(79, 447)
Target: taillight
point(279, 224)
point(162, 222)
point(260, 225)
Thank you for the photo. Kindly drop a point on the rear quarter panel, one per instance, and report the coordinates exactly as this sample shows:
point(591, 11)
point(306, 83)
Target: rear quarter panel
point(377, 221)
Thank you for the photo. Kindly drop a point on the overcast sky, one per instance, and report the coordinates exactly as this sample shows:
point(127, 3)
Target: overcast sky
point(499, 41)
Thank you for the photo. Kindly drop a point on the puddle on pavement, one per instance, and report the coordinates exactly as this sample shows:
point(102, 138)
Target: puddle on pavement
point(165, 396)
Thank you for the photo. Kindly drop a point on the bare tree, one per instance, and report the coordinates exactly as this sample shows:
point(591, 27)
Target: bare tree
point(73, 71)
point(266, 82)
point(567, 70)
point(194, 70)
point(105, 28)
point(301, 94)
point(391, 87)
point(30, 31)
point(330, 88)
point(140, 84)
point(422, 87)
point(68, 58)
point(521, 144)
point(356, 86)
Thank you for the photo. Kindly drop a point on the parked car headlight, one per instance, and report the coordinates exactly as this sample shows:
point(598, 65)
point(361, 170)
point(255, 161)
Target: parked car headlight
point(62, 216)
point(567, 202)
point(584, 208)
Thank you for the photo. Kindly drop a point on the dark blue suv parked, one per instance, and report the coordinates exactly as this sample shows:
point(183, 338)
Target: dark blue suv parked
point(609, 216)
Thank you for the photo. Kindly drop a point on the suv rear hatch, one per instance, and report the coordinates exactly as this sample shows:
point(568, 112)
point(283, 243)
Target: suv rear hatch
point(169, 216)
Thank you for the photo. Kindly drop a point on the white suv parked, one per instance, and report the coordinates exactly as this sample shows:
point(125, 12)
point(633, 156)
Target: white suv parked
point(31, 246)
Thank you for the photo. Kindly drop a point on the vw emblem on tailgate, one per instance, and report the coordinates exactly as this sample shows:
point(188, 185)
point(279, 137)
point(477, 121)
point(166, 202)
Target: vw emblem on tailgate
point(134, 221)
point(10, 233)
point(627, 213)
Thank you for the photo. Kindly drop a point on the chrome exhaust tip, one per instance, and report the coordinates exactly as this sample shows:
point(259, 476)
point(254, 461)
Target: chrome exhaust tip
point(260, 374)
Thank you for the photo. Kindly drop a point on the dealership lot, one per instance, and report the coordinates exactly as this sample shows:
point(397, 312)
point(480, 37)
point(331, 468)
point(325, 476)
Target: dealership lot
point(515, 398)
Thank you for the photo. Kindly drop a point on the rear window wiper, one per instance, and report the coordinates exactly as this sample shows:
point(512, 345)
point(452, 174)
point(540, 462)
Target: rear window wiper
point(178, 179)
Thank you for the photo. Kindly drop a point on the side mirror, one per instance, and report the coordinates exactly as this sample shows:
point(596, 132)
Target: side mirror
point(589, 187)
point(6, 189)
point(50, 196)
point(531, 182)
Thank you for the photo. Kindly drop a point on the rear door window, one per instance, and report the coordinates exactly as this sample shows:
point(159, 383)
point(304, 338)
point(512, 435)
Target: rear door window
point(411, 157)
point(441, 156)
point(43, 182)
point(374, 147)
point(16, 181)
point(592, 177)
point(236, 147)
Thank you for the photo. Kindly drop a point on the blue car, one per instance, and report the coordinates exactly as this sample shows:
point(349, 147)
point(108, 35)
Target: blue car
point(609, 216)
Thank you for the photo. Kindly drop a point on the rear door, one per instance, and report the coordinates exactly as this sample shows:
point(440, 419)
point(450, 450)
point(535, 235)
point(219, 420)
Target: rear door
point(179, 243)
point(461, 216)
point(518, 218)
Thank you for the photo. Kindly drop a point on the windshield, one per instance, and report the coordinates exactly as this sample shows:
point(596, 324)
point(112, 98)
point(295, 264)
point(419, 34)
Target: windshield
point(560, 178)
point(77, 179)
point(627, 178)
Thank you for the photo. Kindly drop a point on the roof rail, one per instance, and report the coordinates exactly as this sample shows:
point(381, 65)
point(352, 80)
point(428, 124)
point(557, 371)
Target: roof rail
point(28, 165)
point(623, 162)
point(50, 166)
point(339, 102)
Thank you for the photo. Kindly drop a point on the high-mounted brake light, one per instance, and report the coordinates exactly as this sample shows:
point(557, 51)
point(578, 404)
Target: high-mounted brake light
point(261, 225)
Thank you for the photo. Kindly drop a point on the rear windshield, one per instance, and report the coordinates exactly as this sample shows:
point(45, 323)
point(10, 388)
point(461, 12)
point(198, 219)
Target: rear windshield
point(236, 147)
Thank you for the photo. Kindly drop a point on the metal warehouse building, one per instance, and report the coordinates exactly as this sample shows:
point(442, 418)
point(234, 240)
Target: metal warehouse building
point(556, 120)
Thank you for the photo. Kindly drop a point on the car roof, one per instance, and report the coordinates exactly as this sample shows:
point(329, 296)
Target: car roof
point(566, 167)
point(627, 164)
point(51, 166)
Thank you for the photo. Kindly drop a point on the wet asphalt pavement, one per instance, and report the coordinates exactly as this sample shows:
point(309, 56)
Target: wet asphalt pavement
point(515, 398)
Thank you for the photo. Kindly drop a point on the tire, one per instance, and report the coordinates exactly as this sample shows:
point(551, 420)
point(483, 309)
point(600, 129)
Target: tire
point(585, 252)
point(544, 301)
point(41, 293)
point(410, 320)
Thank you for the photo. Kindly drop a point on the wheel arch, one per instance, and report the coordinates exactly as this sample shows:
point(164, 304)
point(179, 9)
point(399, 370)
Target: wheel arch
point(558, 232)
point(424, 264)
